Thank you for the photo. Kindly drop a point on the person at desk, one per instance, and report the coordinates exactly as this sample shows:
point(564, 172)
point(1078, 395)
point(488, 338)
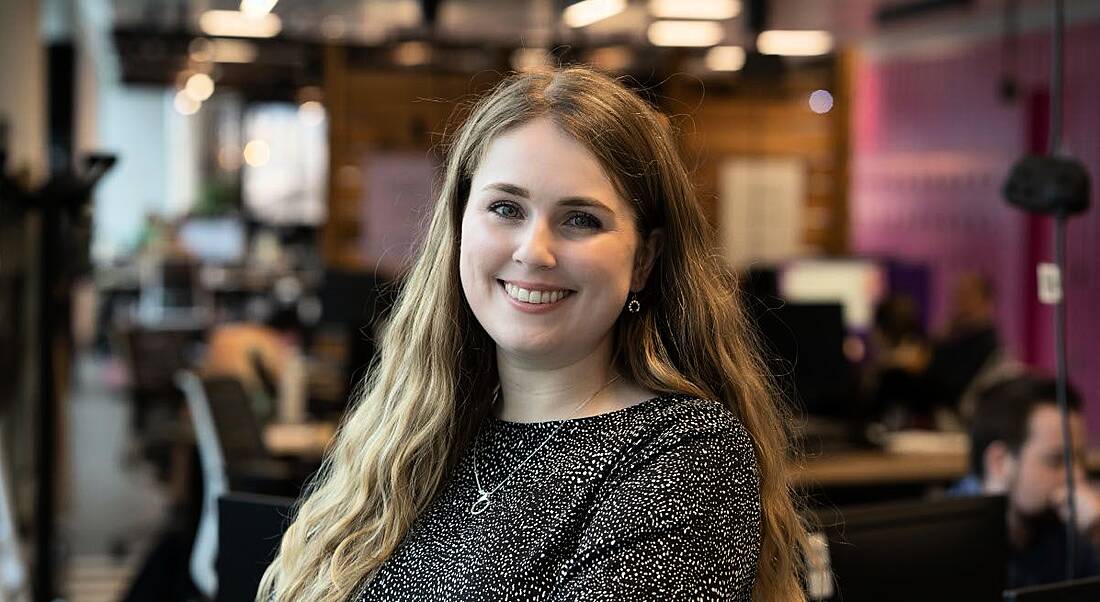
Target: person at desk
point(893, 377)
point(568, 405)
point(1016, 451)
point(266, 358)
point(969, 356)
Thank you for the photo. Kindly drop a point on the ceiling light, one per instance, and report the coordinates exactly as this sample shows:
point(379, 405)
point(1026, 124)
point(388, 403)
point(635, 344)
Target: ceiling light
point(794, 43)
point(185, 104)
point(232, 23)
point(233, 51)
point(311, 113)
point(695, 9)
point(411, 54)
point(821, 101)
point(199, 86)
point(257, 8)
point(725, 58)
point(587, 12)
point(685, 33)
point(257, 153)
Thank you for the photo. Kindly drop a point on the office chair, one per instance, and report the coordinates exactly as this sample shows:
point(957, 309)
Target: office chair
point(232, 458)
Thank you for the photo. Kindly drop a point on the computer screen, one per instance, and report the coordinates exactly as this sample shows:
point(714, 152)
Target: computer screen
point(856, 284)
point(804, 350)
point(214, 239)
point(951, 549)
point(250, 527)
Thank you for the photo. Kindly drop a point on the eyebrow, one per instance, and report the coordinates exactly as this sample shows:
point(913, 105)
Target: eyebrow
point(572, 201)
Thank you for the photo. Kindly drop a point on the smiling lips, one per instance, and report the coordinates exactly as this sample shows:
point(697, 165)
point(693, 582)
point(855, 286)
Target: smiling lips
point(535, 297)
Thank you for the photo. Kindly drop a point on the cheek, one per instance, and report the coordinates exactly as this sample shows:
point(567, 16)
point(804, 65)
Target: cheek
point(610, 266)
point(478, 249)
point(469, 251)
point(1034, 482)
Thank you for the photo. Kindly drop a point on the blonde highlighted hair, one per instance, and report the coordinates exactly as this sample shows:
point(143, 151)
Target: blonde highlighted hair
point(419, 405)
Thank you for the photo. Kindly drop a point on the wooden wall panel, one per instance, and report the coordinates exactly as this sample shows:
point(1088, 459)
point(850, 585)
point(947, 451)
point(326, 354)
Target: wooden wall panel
point(407, 110)
point(371, 110)
point(762, 120)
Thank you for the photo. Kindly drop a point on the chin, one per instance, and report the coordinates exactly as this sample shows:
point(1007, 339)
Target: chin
point(528, 346)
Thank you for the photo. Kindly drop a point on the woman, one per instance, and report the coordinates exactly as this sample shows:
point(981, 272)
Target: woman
point(569, 403)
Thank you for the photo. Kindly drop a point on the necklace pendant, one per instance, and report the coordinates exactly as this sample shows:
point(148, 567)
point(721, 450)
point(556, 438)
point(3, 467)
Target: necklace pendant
point(480, 504)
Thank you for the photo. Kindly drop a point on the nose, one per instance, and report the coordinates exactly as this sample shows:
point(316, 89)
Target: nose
point(535, 247)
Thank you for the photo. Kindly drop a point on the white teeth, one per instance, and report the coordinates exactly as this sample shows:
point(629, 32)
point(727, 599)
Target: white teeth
point(534, 297)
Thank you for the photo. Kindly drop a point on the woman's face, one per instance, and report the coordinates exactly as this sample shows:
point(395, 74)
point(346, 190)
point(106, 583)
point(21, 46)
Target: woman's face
point(549, 248)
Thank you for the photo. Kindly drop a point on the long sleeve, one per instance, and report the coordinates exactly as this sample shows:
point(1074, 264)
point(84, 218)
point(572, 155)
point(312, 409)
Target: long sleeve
point(683, 523)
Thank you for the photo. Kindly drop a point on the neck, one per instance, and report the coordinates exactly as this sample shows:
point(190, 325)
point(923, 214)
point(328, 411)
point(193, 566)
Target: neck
point(536, 393)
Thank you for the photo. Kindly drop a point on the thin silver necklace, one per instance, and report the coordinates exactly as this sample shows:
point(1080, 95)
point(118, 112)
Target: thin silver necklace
point(482, 502)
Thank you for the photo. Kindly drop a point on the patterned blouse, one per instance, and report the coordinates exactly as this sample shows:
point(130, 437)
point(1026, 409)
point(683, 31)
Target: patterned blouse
point(656, 501)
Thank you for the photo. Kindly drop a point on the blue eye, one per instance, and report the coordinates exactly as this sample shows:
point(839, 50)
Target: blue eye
point(505, 209)
point(583, 220)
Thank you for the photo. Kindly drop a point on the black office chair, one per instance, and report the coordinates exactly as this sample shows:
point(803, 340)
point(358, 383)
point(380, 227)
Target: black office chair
point(248, 465)
point(233, 459)
point(154, 357)
point(250, 528)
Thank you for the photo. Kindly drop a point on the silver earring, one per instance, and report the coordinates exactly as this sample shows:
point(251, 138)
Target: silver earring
point(633, 306)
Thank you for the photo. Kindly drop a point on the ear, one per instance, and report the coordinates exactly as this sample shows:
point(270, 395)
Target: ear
point(645, 258)
point(1000, 468)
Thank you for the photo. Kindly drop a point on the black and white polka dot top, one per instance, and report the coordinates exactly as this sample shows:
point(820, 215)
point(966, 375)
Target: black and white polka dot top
point(656, 501)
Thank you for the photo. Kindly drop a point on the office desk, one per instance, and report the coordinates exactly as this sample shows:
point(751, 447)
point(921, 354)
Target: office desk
point(307, 440)
point(875, 467)
point(872, 467)
point(873, 476)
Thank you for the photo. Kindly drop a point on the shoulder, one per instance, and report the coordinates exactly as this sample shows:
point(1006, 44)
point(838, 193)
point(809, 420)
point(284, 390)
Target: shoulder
point(690, 463)
point(673, 418)
point(690, 433)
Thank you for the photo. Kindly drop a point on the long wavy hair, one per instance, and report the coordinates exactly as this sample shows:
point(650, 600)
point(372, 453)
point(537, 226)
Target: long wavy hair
point(418, 407)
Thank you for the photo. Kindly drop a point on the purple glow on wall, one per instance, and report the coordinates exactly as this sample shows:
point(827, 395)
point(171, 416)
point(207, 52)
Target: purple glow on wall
point(932, 144)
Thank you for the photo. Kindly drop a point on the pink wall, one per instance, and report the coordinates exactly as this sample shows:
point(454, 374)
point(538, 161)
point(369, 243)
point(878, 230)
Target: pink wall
point(932, 144)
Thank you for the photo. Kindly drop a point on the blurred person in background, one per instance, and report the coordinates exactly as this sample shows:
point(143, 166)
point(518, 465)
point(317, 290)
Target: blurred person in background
point(900, 351)
point(969, 356)
point(1016, 450)
point(267, 359)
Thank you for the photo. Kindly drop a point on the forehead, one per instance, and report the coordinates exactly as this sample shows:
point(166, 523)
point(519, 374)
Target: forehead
point(1045, 426)
point(542, 158)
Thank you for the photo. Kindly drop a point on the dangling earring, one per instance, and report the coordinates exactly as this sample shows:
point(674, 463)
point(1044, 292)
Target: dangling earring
point(633, 306)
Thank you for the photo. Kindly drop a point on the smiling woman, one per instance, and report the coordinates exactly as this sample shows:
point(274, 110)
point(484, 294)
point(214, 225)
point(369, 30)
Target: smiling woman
point(543, 217)
point(570, 404)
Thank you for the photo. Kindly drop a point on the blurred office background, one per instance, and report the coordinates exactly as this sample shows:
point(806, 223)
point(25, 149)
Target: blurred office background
point(273, 161)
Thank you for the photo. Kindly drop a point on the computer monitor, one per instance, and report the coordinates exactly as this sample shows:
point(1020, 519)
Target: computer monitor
point(856, 284)
point(804, 350)
point(214, 239)
point(1078, 590)
point(952, 549)
point(250, 527)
